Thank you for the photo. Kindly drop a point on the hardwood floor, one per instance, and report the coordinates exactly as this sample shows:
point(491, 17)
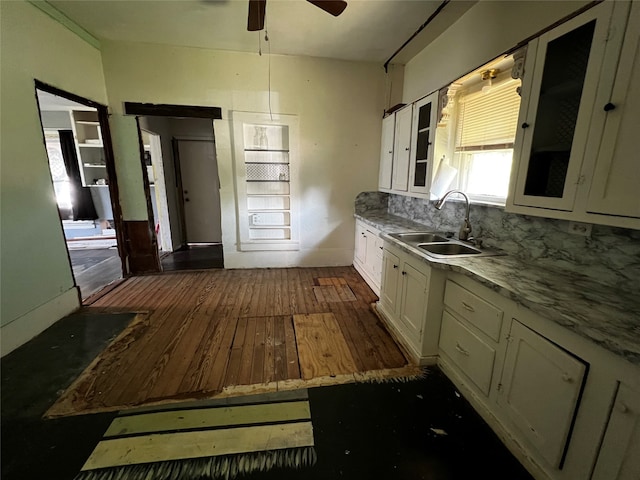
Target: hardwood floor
point(94, 268)
point(207, 330)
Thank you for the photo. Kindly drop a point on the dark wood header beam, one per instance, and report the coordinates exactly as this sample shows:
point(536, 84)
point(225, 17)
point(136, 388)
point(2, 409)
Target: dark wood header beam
point(161, 110)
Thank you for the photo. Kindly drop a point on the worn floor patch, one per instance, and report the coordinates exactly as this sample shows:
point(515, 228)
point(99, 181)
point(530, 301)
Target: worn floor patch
point(334, 293)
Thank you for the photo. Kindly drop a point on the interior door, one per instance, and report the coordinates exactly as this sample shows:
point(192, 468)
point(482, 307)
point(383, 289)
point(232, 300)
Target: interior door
point(200, 191)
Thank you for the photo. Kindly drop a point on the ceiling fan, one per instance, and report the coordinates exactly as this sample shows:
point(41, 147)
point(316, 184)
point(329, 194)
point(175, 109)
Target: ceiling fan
point(257, 8)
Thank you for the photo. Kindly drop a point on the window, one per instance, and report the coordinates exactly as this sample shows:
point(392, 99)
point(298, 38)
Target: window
point(477, 130)
point(61, 184)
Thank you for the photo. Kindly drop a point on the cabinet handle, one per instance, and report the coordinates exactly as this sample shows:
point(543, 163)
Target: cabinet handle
point(525, 125)
point(462, 350)
point(468, 307)
point(622, 408)
point(609, 106)
point(567, 378)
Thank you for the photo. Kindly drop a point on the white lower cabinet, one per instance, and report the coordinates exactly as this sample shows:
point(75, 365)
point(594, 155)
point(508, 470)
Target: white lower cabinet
point(619, 457)
point(539, 391)
point(470, 353)
point(567, 409)
point(367, 257)
point(411, 302)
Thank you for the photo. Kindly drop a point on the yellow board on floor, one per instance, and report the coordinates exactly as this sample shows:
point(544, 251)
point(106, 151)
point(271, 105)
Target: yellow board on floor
point(183, 445)
point(201, 418)
point(322, 349)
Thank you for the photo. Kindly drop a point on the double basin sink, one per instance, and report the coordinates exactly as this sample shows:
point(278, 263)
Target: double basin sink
point(439, 245)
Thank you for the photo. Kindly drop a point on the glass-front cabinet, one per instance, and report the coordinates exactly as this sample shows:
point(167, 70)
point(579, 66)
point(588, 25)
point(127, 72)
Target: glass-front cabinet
point(558, 101)
point(424, 128)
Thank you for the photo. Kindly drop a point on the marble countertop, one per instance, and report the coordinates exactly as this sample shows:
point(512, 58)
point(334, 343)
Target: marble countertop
point(600, 313)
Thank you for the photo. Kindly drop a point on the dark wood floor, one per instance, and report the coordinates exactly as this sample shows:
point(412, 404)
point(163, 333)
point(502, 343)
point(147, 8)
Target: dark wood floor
point(194, 257)
point(94, 268)
point(207, 330)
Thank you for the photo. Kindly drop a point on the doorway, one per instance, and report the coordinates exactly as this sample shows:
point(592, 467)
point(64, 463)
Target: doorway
point(179, 160)
point(83, 180)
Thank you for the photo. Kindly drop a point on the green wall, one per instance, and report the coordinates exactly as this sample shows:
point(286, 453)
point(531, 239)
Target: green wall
point(35, 270)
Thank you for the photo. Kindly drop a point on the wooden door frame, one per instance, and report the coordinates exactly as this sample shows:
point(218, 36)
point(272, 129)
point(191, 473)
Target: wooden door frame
point(114, 192)
point(167, 110)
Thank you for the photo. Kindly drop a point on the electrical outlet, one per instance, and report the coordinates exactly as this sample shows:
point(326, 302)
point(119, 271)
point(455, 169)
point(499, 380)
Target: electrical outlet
point(578, 228)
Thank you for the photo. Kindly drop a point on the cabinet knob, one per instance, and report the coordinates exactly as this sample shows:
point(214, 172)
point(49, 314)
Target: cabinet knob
point(525, 125)
point(395, 266)
point(609, 106)
point(390, 151)
point(621, 407)
point(567, 378)
point(407, 149)
point(404, 273)
point(380, 248)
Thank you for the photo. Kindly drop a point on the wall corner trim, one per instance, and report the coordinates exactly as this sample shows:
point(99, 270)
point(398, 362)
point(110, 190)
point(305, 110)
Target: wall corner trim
point(66, 22)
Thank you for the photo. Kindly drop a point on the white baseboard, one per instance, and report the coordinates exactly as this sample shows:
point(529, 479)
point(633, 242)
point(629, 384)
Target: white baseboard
point(323, 257)
point(24, 328)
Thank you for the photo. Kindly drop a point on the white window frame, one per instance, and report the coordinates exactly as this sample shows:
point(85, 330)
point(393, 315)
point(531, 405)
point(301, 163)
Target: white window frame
point(470, 85)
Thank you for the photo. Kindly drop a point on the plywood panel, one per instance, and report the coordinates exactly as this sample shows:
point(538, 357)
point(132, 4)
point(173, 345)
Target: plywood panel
point(322, 349)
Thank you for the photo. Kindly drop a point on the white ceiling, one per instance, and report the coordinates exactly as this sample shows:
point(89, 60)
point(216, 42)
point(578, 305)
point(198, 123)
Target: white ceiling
point(368, 30)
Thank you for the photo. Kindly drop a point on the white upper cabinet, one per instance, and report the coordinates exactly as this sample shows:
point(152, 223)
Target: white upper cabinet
point(573, 157)
point(557, 107)
point(402, 150)
point(425, 117)
point(617, 168)
point(386, 152)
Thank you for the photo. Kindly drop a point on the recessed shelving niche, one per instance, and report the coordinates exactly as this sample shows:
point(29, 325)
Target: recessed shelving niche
point(265, 162)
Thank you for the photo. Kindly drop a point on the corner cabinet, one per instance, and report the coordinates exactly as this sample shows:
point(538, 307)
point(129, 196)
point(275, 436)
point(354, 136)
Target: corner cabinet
point(573, 157)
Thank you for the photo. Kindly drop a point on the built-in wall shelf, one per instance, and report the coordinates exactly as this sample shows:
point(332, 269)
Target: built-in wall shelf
point(266, 197)
point(89, 147)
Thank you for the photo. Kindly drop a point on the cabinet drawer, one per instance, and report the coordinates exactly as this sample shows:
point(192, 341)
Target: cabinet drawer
point(472, 355)
point(483, 315)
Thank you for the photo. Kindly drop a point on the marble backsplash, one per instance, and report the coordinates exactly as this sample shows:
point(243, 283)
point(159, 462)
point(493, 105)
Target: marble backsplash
point(610, 255)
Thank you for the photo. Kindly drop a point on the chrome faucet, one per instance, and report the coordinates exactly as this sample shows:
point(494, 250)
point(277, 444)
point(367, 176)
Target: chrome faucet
point(465, 228)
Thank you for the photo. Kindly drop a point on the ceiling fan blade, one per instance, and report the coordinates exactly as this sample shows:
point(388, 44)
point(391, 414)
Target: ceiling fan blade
point(334, 7)
point(255, 20)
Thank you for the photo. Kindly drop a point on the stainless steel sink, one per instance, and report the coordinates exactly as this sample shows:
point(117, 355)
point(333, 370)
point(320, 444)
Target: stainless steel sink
point(420, 237)
point(440, 245)
point(449, 249)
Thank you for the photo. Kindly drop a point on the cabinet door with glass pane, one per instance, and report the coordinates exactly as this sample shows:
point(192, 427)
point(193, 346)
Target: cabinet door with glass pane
point(556, 112)
point(424, 126)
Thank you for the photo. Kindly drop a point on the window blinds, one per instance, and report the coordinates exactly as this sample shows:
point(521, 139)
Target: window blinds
point(488, 120)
